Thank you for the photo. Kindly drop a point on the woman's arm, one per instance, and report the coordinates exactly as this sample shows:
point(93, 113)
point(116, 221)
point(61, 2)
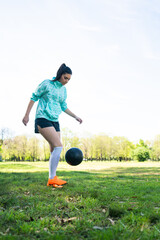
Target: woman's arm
point(25, 120)
point(73, 115)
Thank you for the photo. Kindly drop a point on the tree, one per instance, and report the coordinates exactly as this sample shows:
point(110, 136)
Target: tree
point(109, 147)
point(122, 148)
point(101, 147)
point(156, 148)
point(33, 148)
point(20, 146)
point(45, 150)
point(8, 152)
point(141, 154)
point(66, 140)
point(86, 147)
point(4, 133)
point(1, 144)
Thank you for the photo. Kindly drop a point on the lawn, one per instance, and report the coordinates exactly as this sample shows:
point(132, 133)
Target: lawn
point(102, 200)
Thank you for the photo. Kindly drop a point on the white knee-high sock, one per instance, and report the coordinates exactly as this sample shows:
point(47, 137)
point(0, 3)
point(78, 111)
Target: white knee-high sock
point(53, 161)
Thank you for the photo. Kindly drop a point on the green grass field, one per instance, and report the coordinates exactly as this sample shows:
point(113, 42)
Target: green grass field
point(102, 200)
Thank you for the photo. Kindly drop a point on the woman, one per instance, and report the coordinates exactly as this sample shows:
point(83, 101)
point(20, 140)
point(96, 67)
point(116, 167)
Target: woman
point(52, 101)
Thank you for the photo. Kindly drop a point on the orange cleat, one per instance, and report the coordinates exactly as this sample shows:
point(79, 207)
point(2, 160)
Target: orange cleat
point(55, 181)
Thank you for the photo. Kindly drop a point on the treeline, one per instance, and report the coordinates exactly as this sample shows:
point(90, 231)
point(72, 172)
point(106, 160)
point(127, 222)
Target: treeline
point(97, 147)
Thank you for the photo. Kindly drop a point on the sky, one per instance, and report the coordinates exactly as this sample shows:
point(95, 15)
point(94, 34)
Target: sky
point(112, 47)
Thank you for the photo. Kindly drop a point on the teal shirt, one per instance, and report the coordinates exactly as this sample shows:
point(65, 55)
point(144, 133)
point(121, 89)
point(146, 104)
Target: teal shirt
point(52, 99)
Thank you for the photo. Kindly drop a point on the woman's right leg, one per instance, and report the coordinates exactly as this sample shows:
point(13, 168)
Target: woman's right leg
point(53, 138)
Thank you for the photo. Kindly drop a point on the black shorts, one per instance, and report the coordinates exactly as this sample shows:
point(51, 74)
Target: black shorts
point(43, 123)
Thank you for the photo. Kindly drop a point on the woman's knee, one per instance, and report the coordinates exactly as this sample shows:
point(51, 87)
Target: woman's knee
point(52, 146)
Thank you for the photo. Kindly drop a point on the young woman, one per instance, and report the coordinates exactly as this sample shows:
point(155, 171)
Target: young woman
point(52, 101)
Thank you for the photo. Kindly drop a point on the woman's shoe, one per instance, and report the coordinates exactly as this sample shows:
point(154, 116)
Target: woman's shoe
point(55, 181)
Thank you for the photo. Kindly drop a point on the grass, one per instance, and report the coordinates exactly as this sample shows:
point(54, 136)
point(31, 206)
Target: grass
point(102, 200)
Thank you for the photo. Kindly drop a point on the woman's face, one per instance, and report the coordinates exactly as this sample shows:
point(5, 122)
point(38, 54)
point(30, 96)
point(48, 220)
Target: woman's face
point(65, 78)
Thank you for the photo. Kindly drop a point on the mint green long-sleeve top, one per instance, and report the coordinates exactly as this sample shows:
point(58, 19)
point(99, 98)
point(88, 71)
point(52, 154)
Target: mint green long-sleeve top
point(52, 100)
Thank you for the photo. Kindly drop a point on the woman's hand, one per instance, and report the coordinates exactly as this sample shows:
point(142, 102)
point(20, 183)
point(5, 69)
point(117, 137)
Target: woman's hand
point(25, 120)
point(73, 115)
point(78, 119)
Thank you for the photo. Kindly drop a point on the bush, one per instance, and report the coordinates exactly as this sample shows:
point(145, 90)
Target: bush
point(141, 154)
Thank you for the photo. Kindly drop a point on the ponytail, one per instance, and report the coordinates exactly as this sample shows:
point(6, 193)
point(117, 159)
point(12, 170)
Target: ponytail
point(62, 70)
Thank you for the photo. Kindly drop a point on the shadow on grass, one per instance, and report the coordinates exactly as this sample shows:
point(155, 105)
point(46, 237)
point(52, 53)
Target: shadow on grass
point(79, 181)
point(10, 180)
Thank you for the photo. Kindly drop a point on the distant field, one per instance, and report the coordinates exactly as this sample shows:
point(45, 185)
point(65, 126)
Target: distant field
point(84, 166)
point(102, 200)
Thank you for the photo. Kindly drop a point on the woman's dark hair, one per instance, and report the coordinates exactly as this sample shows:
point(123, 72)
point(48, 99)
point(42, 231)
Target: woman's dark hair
point(62, 70)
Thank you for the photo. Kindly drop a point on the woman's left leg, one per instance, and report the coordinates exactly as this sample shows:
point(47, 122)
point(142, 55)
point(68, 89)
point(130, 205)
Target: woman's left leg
point(53, 138)
point(54, 159)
